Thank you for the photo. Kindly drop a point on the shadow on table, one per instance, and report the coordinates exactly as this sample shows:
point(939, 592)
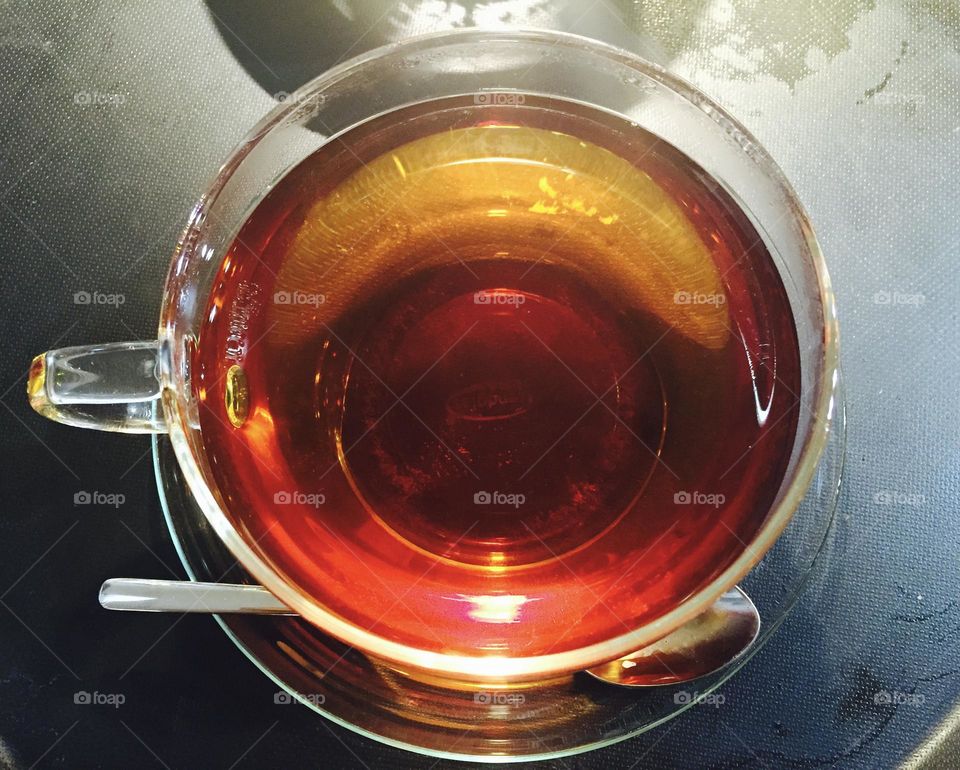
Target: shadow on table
point(283, 46)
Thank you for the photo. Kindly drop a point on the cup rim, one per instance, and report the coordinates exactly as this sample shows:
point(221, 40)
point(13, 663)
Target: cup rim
point(491, 668)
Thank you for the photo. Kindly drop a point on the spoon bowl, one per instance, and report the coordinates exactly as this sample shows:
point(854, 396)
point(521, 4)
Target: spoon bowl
point(699, 647)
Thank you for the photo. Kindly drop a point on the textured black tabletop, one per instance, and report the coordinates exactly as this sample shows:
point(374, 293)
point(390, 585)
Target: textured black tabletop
point(114, 116)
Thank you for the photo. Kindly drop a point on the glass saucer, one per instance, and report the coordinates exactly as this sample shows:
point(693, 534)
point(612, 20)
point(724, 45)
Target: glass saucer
point(539, 721)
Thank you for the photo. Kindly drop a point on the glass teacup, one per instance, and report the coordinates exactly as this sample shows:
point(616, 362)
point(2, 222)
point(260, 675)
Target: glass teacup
point(417, 617)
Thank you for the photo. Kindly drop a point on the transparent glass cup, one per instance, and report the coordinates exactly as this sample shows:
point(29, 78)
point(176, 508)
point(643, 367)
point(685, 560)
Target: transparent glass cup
point(146, 387)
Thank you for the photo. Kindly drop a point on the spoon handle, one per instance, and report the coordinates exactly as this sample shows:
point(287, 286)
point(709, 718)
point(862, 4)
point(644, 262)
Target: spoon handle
point(700, 646)
point(187, 596)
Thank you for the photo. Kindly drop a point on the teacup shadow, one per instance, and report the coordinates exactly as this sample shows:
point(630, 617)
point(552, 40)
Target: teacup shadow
point(283, 47)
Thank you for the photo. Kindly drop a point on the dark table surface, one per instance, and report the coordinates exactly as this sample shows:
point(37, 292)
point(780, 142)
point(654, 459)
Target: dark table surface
point(114, 116)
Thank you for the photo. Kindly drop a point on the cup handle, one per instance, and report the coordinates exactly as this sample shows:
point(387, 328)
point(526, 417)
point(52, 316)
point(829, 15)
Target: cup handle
point(112, 387)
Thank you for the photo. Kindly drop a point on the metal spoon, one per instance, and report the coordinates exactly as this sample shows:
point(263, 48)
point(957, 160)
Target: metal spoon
point(699, 647)
point(189, 596)
point(707, 643)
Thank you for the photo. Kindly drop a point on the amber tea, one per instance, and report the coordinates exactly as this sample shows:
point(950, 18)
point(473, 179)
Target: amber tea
point(498, 378)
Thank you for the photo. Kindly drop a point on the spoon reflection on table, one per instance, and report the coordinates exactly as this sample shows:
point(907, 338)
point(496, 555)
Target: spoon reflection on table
point(699, 647)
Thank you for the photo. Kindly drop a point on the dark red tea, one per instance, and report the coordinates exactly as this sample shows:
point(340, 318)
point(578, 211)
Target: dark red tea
point(502, 380)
